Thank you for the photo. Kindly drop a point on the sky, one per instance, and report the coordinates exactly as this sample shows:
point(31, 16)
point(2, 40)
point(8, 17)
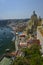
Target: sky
point(19, 9)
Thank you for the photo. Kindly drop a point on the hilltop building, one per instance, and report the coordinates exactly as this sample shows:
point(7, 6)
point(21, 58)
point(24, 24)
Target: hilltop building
point(22, 37)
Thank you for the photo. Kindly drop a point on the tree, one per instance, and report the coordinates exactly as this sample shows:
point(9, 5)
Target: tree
point(21, 61)
point(32, 51)
point(34, 18)
point(32, 56)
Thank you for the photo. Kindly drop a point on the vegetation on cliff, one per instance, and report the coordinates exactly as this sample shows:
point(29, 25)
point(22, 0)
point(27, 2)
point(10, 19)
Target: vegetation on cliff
point(32, 56)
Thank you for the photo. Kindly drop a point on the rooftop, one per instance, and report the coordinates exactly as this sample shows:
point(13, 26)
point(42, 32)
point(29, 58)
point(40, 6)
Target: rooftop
point(22, 35)
point(33, 41)
point(5, 61)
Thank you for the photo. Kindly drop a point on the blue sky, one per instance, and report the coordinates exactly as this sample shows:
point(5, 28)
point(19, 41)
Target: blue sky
point(20, 8)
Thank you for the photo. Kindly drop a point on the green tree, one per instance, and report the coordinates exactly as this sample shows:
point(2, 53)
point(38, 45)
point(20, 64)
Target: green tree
point(32, 56)
point(34, 18)
point(32, 51)
point(21, 61)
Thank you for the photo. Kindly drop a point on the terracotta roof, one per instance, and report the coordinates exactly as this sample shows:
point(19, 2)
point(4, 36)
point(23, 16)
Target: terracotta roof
point(22, 35)
point(22, 44)
point(11, 54)
point(33, 41)
point(14, 53)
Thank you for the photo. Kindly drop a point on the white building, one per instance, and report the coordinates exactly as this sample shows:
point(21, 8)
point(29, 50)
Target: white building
point(40, 36)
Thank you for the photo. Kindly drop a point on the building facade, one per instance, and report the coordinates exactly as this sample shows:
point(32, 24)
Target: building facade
point(40, 36)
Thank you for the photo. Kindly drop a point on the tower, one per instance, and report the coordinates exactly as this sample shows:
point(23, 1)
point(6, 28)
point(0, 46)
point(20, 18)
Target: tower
point(16, 41)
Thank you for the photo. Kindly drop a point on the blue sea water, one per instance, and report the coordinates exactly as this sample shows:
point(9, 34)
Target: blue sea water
point(5, 39)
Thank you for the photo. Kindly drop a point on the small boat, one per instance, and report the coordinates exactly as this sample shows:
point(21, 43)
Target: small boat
point(7, 50)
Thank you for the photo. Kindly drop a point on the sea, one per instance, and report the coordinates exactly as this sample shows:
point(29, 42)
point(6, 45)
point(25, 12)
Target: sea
point(6, 40)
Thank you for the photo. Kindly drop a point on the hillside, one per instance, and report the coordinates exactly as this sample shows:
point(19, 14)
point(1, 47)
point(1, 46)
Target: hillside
point(15, 24)
point(9, 21)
